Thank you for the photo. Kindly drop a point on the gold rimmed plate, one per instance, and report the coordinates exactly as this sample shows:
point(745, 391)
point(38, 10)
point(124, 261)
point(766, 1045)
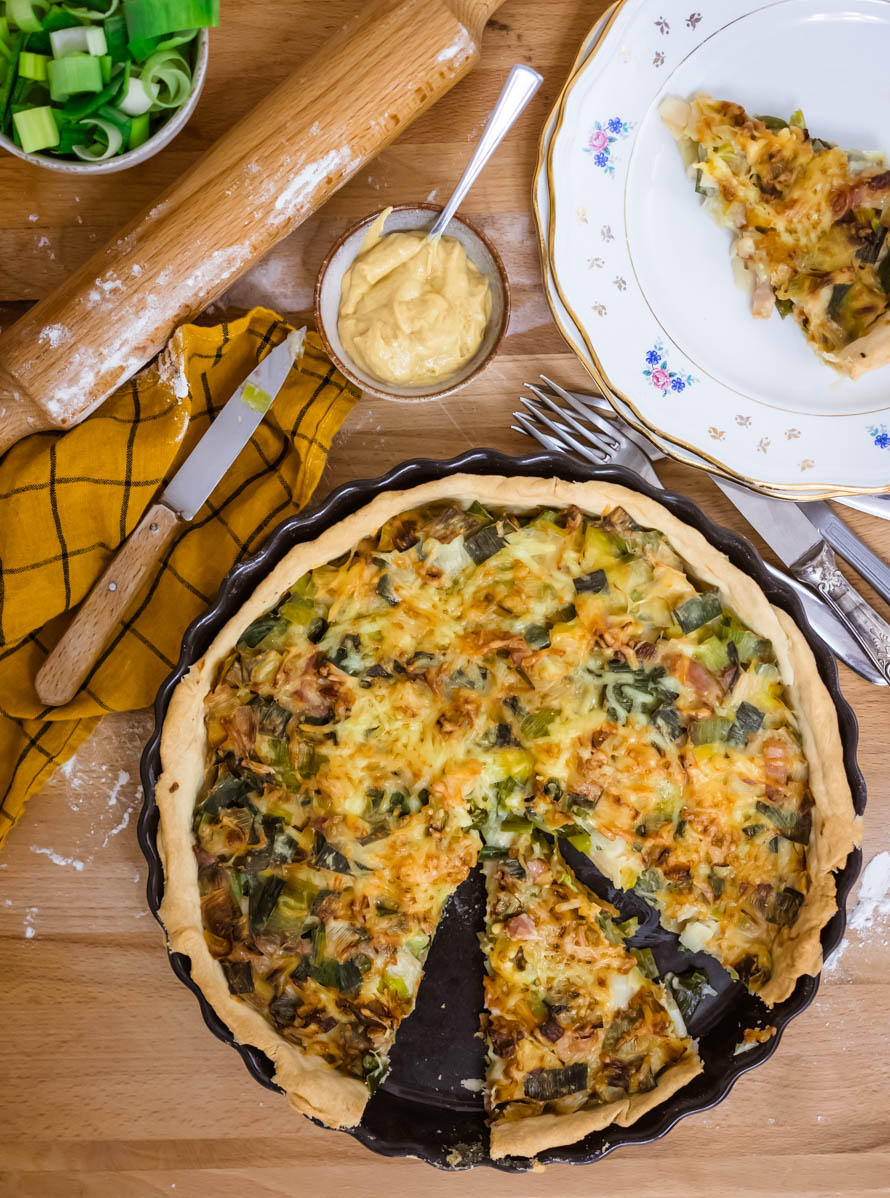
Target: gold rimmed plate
point(634, 301)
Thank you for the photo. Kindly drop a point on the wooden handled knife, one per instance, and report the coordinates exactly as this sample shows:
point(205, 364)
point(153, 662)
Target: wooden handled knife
point(70, 662)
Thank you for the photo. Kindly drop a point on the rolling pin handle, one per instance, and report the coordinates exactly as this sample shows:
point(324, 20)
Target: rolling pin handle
point(19, 418)
point(474, 14)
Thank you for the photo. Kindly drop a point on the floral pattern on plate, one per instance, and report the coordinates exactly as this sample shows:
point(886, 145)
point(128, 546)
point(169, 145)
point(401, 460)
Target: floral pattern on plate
point(786, 442)
point(602, 139)
point(660, 375)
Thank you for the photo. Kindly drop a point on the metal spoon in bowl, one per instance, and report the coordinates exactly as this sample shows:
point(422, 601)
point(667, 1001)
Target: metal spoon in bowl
point(521, 85)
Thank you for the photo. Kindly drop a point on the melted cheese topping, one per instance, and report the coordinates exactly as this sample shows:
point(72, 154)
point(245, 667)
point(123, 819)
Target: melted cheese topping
point(457, 678)
point(572, 1020)
point(811, 219)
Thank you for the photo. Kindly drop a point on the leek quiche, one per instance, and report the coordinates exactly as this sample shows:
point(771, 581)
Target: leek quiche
point(474, 670)
point(810, 223)
point(579, 1032)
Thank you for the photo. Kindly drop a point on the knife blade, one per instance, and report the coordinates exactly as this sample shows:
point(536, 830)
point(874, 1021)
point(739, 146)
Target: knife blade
point(232, 428)
point(70, 662)
point(800, 546)
point(872, 505)
point(839, 535)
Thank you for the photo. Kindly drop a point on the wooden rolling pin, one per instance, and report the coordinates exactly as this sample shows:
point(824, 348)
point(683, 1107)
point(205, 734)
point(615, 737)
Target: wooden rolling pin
point(253, 187)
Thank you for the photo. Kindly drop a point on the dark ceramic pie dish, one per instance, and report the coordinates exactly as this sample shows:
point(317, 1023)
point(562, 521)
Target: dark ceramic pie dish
point(424, 1108)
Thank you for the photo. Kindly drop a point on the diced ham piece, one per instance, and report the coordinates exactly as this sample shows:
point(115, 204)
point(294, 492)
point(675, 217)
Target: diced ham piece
point(536, 868)
point(521, 927)
point(776, 761)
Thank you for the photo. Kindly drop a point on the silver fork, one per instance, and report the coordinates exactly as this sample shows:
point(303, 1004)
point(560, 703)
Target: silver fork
point(578, 427)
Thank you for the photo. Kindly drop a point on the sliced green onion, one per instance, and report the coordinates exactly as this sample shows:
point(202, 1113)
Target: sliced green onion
point(139, 131)
point(99, 150)
point(141, 48)
point(12, 75)
point(27, 14)
point(56, 18)
point(116, 36)
point(109, 73)
point(73, 75)
point(177, 39)
point(79, 39)
point(27, 94)
point(96, 12)
point(117, 118)
point(154, 18)
point(138, 99)
point(36, 128)
point(172, 76)
point(33, 66)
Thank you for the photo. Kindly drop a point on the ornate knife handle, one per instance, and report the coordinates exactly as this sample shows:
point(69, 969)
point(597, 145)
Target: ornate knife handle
point(872, 632)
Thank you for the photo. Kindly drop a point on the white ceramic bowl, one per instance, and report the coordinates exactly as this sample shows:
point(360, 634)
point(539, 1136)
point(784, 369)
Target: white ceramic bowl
point(481, 253)
point(142, 153)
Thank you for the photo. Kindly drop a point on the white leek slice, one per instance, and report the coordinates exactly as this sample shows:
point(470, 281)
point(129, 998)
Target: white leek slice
point(79, 39)
point(138, 98)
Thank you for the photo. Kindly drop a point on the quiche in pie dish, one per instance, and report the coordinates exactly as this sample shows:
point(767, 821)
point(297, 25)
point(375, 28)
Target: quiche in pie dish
point(477, 670)
point(810, 223)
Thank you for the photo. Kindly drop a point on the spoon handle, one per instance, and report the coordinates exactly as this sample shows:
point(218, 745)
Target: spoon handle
point(521, 85)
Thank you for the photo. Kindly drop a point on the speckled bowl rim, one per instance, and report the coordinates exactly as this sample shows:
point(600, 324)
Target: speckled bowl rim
point(142, 153)
point(440, 391)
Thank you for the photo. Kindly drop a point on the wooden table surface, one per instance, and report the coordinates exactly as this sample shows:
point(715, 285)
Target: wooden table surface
point(112, 1087)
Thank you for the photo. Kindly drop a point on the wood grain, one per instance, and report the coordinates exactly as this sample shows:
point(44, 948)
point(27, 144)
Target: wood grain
point(113, 1087)
point(258, 183)
point(63, 672)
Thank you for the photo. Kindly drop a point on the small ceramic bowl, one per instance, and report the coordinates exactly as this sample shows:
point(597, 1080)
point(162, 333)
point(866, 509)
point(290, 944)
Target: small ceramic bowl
point(142, 153)
point(481, 253)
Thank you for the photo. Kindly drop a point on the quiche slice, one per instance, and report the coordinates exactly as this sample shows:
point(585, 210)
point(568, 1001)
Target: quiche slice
point(810, 223)
point(472, 658)
point(580, 1034)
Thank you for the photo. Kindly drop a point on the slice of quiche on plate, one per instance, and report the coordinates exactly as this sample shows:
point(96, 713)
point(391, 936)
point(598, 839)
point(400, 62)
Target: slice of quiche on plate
point(810, 223)
point(580, 1032)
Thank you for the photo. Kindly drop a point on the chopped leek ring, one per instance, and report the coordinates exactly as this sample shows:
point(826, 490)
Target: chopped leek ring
point(154, 18)
point(33, 66)
point(27, 14)
point(138, 99)
point(96, 65)
point(79, 39)
point(96, 13)
point(139, 131)
point(73, 75)
point(96, 152)
point(170, 72)
point(37, 129)
point(116, 36)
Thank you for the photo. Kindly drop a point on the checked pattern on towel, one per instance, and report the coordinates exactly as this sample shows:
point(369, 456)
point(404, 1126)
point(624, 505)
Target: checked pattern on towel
point(69, 499)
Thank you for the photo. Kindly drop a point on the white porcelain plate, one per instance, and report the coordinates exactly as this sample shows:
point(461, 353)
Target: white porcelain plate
point(645, 275)
point(563, 319)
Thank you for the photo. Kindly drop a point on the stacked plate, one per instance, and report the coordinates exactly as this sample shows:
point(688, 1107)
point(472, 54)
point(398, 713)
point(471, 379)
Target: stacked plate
point(638, 277)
